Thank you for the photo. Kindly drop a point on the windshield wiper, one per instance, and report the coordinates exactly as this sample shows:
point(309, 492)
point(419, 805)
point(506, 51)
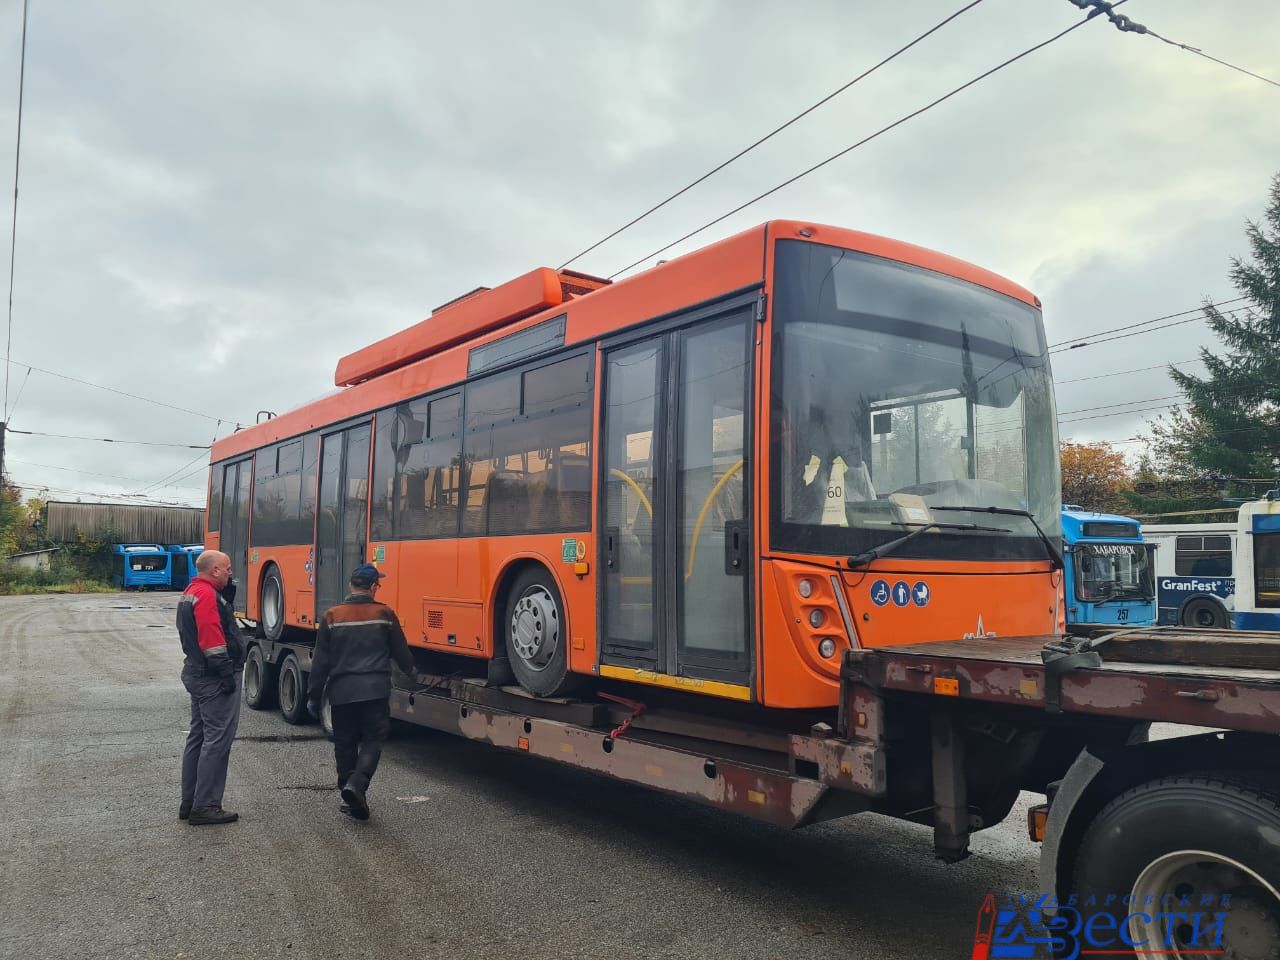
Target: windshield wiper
point(1055, 558)
point(875, 553)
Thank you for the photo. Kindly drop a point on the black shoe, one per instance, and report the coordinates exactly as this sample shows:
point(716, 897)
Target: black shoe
point(354, 797)
point(184, 811)
point(203, 816)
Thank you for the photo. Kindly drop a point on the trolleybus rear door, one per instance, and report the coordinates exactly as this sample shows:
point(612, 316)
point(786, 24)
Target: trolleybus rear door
point(342, 519)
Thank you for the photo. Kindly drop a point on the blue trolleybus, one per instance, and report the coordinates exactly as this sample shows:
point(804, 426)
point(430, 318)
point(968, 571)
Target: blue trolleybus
point(1109, 576)
point(183, 564)
point(141, 566)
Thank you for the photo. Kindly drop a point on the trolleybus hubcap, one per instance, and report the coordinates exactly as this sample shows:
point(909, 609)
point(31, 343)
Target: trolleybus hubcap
point(1250, 929)
point(535, 628)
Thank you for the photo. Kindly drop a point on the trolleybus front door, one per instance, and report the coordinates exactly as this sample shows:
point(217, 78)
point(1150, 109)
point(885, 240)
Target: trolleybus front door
point(674, 478)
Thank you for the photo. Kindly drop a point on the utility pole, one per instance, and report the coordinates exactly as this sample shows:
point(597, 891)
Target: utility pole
point(2, 426)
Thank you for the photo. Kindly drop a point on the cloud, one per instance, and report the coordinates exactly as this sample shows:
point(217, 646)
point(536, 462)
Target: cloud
point(215, 207)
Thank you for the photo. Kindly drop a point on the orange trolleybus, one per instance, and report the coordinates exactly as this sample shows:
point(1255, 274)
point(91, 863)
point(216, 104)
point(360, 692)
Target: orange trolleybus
point(716, 476)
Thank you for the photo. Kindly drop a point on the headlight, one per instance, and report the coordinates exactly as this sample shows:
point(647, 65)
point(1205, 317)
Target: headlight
point(817, 618)
point(805, 588)
point(827, 648)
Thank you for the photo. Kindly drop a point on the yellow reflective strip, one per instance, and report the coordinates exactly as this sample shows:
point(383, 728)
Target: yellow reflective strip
point(715, 688)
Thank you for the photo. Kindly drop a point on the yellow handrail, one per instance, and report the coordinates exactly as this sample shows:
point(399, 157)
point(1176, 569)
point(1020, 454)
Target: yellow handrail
point(614, 471)
point(702, 514)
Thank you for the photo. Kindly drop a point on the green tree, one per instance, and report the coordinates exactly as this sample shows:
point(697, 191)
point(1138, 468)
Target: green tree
point(12, 519)
point(1230, 424)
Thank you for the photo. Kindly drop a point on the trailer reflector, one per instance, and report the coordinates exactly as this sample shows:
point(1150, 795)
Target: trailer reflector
point(946, 686)
point(1038, 822)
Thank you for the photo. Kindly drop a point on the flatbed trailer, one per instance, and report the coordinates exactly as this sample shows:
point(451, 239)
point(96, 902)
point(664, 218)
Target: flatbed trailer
point(947, 735)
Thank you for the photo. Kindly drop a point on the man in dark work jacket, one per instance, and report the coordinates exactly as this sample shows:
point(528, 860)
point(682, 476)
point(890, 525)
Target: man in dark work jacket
point(355, 645)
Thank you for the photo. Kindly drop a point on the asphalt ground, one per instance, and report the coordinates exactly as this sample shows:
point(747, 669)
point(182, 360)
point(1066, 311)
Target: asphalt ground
point(471, 852)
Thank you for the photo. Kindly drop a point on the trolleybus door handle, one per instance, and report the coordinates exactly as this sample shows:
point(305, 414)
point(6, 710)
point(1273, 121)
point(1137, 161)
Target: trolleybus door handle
point(611, 548)
point(735, 536)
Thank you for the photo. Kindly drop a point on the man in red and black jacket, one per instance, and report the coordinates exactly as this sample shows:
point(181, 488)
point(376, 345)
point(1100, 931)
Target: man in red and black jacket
point(215, 655)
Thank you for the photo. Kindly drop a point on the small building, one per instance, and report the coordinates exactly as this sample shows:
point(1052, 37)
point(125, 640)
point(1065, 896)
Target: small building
point(32, 559)
point(122, 523)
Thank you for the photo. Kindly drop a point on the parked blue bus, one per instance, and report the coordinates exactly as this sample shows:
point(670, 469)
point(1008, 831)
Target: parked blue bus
point(183, 564)
point(1109, 577)
point(1258, 574)
point(1195, 573)
point(141, 566)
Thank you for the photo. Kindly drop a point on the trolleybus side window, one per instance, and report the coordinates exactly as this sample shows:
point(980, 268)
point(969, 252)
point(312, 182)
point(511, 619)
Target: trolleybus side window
point(1202, 556)
point(417, 467)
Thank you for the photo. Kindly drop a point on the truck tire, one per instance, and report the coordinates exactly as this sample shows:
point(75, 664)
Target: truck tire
point(271, 604)
point(1204, 612)
point(259, 680)
point(1196, 836)
point(293, 691)
point(537, 636)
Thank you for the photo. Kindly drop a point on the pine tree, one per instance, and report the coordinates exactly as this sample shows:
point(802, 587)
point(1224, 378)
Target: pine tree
point(1230, 424)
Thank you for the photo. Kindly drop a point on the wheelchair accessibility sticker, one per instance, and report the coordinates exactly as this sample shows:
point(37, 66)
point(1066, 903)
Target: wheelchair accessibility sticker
point(901, 593)
point(880, 593)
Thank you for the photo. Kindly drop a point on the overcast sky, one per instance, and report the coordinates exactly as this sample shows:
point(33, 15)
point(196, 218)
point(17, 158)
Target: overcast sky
point(213, 210)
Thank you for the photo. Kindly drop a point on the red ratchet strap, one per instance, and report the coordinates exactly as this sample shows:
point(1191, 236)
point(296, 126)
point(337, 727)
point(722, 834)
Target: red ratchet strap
point(636, 708)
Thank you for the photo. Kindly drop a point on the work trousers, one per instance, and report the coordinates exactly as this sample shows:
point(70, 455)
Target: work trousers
point(214, 718)
point(359, 731)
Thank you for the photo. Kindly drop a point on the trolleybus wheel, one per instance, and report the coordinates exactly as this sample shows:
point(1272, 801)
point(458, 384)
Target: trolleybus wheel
point(1197, 840)
point(1203, 612)
point(293, 691)
point(271, 605)
point(259, 680)
point(537, 636)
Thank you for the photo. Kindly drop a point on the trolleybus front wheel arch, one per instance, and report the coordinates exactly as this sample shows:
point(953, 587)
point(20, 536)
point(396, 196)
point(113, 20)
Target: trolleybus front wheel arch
point(1204, 839)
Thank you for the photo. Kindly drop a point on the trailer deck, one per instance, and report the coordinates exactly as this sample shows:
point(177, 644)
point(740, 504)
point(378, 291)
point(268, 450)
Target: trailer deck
point(1205, 678)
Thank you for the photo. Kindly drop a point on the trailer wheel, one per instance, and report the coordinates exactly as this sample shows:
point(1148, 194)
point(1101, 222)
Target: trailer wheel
point(293, 691)
point(537, 638)
point(271, 604)
point(1203, 612)
point(1190, 839)
point(259, 680)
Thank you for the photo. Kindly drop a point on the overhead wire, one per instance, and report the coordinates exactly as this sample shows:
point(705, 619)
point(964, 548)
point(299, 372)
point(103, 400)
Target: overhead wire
point(87, 473)
point(1128, 25)
point(865, 140)
point(1119, 373)
point(123, 393)
point(142, 443)
point(1066, 346)
point(768, 136)
point(1141, 323)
